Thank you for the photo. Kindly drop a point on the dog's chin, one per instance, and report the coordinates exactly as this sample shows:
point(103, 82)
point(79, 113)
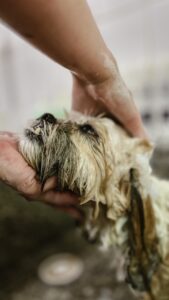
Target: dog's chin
point(65, 170)
point(68, 180)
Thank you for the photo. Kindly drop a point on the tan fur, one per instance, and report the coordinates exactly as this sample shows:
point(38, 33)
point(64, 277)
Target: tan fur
point(125, 205)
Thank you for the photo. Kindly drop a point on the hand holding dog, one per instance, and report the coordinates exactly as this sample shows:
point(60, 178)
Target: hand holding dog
point(110, 96)
point(17, 173)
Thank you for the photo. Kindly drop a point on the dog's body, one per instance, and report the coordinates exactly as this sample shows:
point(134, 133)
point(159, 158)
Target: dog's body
point(125, 205)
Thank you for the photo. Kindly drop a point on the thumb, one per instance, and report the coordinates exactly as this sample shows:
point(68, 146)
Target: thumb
point(27, 183)
point(15, 171)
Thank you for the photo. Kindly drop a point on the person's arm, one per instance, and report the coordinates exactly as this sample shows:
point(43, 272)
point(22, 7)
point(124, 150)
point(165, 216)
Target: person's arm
point(67, 32)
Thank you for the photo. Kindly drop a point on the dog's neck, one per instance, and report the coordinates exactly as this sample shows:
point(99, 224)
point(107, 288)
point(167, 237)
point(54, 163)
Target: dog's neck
point(117, 195)
point(124, 155)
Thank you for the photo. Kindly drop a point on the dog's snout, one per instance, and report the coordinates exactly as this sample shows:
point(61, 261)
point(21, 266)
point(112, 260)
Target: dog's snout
point(49, 118)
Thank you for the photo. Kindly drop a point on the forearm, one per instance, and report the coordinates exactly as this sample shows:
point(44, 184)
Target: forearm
point(64, 30)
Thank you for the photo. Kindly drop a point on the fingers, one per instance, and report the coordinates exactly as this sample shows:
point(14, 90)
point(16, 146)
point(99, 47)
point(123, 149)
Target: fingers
point(58, 198)
point(127, 113)
point(118, 100)
point(65, 202)
point(27, 183)
point(74, 212)
point(135, 126)
point(50, 184)
point(15, 171)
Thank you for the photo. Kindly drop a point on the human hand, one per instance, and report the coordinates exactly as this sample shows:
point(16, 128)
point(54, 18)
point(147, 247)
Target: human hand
point(111, 96)
point(15, 171)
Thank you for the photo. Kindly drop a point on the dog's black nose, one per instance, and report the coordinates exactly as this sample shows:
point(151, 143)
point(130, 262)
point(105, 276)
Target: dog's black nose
point(49, 118)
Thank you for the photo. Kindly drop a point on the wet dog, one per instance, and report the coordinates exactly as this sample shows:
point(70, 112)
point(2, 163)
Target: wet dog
point(125, 204)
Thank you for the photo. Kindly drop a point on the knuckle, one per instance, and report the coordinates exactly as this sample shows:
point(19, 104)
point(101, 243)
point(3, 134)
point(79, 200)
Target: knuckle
point(30, 187)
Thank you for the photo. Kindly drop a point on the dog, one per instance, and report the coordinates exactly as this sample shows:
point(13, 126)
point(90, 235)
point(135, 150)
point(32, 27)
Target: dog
point(125, 205)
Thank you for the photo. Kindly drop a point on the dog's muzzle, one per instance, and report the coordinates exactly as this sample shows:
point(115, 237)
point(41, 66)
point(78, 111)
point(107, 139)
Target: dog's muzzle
point(35, 132)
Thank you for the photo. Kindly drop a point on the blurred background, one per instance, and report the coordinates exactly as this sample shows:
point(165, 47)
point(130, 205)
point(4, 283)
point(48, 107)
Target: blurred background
point(30, 83)
point(137, 33)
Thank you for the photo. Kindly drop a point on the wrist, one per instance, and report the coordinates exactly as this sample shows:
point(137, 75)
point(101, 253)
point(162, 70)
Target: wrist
point(102, 68)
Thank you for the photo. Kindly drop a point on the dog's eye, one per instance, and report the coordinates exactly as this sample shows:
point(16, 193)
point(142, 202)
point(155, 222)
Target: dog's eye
point(88, 129)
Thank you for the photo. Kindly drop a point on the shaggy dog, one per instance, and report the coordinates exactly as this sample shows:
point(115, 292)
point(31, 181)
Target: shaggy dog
point(125, 205)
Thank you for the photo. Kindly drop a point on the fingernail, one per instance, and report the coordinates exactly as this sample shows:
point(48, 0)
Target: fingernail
point(49, 184)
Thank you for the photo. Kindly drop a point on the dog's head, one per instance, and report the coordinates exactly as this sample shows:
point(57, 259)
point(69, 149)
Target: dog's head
point(83, 154)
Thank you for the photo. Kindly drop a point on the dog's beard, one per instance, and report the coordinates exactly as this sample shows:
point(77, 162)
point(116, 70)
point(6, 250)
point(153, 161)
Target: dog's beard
point(55, 155)
point(62, 149)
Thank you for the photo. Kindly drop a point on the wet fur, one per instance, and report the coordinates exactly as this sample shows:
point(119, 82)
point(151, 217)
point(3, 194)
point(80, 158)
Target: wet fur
point(125, 205)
